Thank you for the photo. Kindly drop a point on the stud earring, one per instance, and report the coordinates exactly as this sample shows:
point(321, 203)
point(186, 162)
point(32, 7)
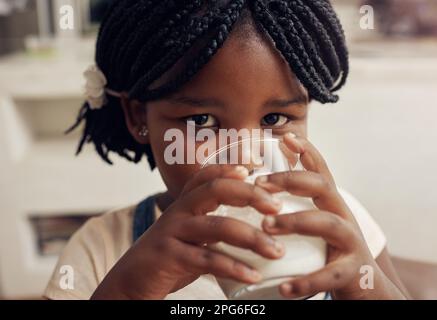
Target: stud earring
point(143, 131)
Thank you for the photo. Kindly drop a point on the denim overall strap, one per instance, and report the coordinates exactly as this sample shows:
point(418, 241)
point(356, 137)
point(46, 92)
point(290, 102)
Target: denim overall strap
point(144, 217)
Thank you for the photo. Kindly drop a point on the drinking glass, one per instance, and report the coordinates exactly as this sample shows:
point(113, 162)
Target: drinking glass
point(303, 254)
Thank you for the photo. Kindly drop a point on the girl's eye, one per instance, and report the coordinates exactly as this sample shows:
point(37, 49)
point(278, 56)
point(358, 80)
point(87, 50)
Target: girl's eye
point(203, 120)
point(275, 119)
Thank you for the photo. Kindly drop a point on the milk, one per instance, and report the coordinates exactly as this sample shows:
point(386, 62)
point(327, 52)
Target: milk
point(303, 254)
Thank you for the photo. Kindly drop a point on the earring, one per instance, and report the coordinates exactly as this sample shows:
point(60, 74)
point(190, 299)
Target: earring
point(143, 131)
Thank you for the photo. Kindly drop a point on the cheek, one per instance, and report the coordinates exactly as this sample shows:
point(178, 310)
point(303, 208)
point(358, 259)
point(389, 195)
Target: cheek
point(189, 154)
point(175, 176)
point(303, 131)
point(301, 128)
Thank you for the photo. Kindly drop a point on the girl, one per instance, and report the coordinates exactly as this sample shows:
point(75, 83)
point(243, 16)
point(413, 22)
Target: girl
point(252, 64)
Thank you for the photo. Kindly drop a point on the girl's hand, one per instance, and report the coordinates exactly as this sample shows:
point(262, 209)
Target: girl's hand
point(334, 222)
point(172, 253)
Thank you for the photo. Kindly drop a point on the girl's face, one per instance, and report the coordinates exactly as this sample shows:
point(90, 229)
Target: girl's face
point(245, 85)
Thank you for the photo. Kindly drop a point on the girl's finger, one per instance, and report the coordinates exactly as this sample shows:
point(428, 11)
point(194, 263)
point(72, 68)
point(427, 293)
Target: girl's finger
point(306, 184)
point(310, 157)
point(291, 156)
point(213, 229)
point(334, 275)
point(213, 172)
point(201, 260)
point(336, 231)
point(209, 196)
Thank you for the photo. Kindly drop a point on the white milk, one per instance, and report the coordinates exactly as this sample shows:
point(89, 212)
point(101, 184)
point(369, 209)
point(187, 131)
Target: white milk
point(303, 254)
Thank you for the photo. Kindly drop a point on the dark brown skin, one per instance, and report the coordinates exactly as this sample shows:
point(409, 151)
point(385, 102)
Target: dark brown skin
point(247, 82)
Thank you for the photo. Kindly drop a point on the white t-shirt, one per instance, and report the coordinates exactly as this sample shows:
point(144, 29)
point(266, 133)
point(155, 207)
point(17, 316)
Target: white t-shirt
point(95, 248)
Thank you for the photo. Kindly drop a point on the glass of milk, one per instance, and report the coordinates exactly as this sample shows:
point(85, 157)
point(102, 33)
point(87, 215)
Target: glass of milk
point(303, 254)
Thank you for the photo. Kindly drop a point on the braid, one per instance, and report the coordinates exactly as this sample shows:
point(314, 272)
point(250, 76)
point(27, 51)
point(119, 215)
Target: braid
point(217, 41)
point(311, 81)
point(138, 31)
point(197, 28)
point(329, 17)
point(175, 53)
point(111, 26)
point(318, 31)
point(150, 46)
point(140, 41)
point(306, 49)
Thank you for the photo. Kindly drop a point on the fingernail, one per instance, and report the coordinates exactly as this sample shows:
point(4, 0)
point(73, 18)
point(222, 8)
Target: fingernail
point(291, 135)
point(253, 274)
point(261, 179)
point(269, 221)
point(271, 200)
point(278, 248)
point(277, 203)
point(287, 287)
point(242, 170)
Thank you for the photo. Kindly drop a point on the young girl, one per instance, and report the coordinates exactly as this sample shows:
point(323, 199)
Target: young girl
point(252, 64)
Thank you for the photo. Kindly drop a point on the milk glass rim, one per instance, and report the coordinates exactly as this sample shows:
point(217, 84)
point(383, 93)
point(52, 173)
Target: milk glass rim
point(228, 146)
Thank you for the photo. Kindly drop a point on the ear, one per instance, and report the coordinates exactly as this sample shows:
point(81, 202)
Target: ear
point(135, 114)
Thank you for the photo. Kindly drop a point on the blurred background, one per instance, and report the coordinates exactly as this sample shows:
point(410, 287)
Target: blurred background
point(380, 140)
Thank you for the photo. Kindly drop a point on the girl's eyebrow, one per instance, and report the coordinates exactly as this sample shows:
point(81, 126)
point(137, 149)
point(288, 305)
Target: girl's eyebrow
point(197, 102)
point(212, 102)
point(275, 103)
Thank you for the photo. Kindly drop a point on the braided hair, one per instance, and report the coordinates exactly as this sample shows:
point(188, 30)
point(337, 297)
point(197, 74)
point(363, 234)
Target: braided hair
point(140, 42)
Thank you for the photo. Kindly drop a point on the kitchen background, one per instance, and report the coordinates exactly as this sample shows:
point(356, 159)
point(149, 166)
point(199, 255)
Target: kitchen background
point(380, 140)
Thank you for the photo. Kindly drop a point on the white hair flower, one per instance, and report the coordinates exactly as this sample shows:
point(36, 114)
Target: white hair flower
point(95, 87)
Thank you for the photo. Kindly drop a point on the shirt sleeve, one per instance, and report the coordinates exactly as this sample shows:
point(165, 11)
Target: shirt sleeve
point(80, 265)
point(375, 238)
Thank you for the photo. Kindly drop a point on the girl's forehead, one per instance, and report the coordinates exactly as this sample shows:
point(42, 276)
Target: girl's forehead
point(252, 66)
